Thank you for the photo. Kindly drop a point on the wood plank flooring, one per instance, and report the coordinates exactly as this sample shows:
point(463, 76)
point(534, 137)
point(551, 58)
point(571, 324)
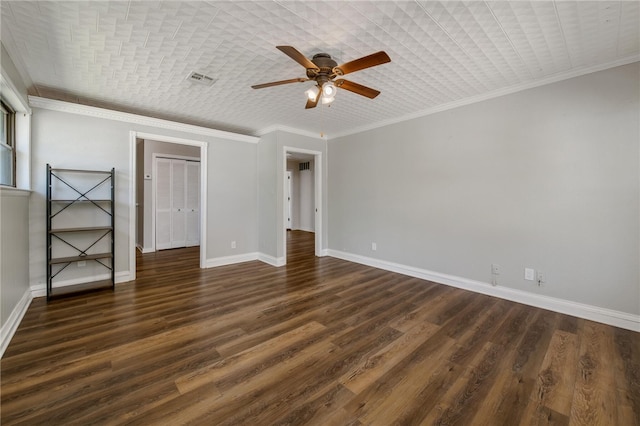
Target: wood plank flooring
point(320, 342)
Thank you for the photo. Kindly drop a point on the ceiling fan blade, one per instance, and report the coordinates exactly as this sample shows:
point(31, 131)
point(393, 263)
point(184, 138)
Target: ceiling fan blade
point(357, 88)
point(277, 83)
point(293, 53)
point(312, 104)
point(372, 60)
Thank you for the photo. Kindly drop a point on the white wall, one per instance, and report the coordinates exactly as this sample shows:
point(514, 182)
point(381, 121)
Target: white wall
point(77, 141)
point(547, 178)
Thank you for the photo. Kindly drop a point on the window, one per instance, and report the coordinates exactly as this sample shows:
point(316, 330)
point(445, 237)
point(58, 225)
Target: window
point(7, 146)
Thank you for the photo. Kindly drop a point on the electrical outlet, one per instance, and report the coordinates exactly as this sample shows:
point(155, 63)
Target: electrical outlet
point(82, 263)
point(529, 274)
point(540, 278)
point(233, 244)
point(495, 269)
point(374, 246)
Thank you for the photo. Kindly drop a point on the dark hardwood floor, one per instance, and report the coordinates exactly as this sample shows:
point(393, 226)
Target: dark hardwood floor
point(320, 341)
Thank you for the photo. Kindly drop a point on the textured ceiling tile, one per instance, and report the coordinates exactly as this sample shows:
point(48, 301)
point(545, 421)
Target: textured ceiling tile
point(136, 55)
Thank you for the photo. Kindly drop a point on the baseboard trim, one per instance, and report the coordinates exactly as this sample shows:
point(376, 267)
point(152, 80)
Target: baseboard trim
point(40, 290)
point(273, 261)
point(563, 306)
point(230, 260)
point(11, 325)
point(144, 250)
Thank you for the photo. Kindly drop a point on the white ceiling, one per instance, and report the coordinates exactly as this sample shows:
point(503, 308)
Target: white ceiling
point(134, 56)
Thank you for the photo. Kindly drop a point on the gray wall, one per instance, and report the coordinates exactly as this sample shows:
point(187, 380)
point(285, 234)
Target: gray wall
point(267, 191)
point(547, 178)
point(14, 250)
point(76, 141)
point(271, 173)
point(14, 221)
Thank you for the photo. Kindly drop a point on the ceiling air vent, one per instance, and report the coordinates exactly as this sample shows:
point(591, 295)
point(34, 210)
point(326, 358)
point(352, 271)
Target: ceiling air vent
point(304, 166)
point(198, 77)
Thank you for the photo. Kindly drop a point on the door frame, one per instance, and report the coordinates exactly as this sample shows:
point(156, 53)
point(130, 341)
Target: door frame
point(154, 173)
point(289, 209)
point(317, 195)
point(133, 136)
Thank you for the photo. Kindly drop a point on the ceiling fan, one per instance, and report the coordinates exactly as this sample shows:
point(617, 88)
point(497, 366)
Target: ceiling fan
point(323, 70)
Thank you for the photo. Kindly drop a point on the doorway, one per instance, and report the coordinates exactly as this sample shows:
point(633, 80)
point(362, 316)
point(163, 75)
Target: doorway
point(139, 178)
point(313, 207)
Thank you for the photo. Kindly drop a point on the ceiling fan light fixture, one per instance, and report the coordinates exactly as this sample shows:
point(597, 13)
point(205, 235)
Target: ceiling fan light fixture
point(328, 91)
point(327, 100)
point(312, 93)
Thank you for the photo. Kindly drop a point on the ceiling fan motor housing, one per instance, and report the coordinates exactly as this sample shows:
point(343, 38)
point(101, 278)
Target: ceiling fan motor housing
point(327, 68)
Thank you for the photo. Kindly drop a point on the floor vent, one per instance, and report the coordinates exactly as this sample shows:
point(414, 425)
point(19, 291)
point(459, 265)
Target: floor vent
point(197, 77)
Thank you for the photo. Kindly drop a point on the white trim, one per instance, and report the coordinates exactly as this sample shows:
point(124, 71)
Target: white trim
point(490, 95)
point(204, 157)
point(144, 250)
point(273, 261)
point(317, 193)
point(11, 325)
point(288, 129)
point(230, 260)
point(12, 94)
point(593, 313)
point(124, 277)
point(126, 117)
point(133, 219)
point(204, 170)
point(40, 290)
point(23, 150)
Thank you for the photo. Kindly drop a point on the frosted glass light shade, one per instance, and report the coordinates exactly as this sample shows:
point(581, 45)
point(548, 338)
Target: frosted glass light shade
point(312, 93)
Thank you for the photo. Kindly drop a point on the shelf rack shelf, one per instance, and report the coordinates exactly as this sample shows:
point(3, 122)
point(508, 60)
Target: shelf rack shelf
point(77, 228)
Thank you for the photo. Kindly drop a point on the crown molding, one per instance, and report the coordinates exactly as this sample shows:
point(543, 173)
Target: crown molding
point(72, 108)
point(12, 94)
point(494, 94)
point(287, 129)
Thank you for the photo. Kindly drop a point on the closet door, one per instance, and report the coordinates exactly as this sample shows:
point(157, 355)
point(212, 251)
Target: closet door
point(178, 203)
point(193, 203)
point(163, 203)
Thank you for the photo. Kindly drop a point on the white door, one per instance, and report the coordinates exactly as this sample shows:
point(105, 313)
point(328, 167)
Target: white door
point(163, 203)
point(193, 203)
point(177, 203)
